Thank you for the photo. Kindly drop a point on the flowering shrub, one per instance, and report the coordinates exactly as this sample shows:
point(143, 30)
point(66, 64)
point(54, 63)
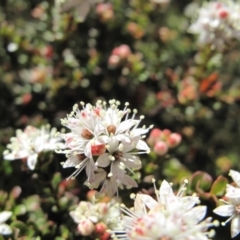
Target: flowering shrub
point(138, 90)
point(217, 24)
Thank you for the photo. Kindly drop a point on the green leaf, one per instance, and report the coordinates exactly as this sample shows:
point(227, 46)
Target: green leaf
point(20, 210)
point(57, 178)
point(201, 180)
point(32, 203)
point(219, 186)
point(22, 227)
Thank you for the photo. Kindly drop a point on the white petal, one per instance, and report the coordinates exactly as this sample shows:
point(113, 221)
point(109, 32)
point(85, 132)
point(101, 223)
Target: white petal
point(117, 172)
point(224, 210)
point(89, 168)
point(5, 229)
point(87, 150)
point(31, 161)
point(235, 176)
point(235, 226)
point(113, 144)
point(188, 202)
point(141, 145)
point(125, 125)
point(19, 155)
point(103, 160)
point(139, 131)
point(132, 161)
point(103, 139)
point(232, 192)
point(71, 162)
point(123, 138)
point(196, 214)
point(129, 182)
point(139, 206)
point(4, 216)
point(166, 193)
point(109, 187)
point(148, 201)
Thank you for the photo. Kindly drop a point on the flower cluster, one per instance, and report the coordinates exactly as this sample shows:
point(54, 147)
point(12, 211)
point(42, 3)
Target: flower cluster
point(172, 217)
point(96, 218)
point(4, 228)
point(163, 140)
point(30, 142)
point(217, 24)
point(104, 140)
point(231, 207)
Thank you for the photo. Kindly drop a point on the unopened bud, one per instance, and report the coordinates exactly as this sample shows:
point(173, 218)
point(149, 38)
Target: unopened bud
point(100, 228)
point(166, 133)
point(154, 136)
point(105, 236)
point(174, 140)
point(113, 60)
point(85, 227)
point(160, 148)
point(91, 195)
point(105, 11)
point(122, 51)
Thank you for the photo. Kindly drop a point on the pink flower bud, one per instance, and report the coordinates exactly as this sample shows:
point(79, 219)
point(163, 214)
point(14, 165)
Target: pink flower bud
point(123, 51)
point(102, 208)
point(174, 140)
point(160, 148)
point(91, 195)
point(135, 30)
point(113, 60)
point(47, 51)
point(165, 134)
point(154, 136)
point(223, 14)
point(105, 11)
point(100, 228)
point(26, 98)
point(105, 236)
point(85, 227)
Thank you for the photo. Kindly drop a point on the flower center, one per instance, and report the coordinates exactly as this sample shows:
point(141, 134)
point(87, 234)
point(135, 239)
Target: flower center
point(81, 157)
point(111, 129)
point(98, 149)
point(118, 155)
point(86, 134)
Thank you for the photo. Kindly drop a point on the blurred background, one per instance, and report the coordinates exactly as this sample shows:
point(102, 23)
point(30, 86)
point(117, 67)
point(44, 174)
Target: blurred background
point(54, 54)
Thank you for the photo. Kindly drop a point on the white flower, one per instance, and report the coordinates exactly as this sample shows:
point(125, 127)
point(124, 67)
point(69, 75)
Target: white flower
point(4, 228)
point(119, 157)
point(88, 215)
point(231, 208)
point(217, 24)
point(109, 182)
point(29, 143)
point(104, 140)
point(169, 217)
